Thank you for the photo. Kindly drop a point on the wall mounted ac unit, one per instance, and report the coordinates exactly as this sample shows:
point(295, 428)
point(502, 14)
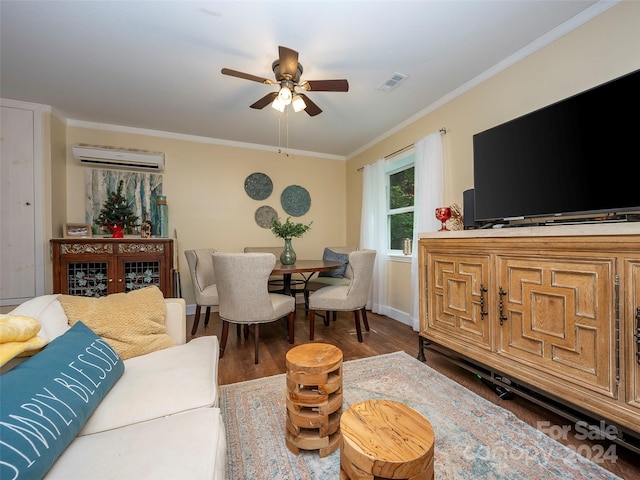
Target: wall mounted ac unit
point(111, 157)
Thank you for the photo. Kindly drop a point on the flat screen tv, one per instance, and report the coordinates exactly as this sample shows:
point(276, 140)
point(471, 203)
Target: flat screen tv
point(575, 157)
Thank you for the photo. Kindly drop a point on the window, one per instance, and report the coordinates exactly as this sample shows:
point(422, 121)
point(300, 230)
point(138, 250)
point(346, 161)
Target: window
point(400, 194)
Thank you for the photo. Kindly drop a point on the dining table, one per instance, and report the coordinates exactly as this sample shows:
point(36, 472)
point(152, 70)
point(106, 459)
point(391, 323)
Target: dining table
point(306, 268)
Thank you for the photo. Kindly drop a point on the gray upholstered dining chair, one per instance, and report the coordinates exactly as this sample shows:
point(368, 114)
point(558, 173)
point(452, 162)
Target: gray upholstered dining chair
point(352, 297)
point(332, 277)
point(242, 280)
point(203, 278)
point(276, 282)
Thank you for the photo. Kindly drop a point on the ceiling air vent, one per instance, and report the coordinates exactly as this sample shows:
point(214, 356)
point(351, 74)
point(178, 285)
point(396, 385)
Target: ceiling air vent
point(395, 80)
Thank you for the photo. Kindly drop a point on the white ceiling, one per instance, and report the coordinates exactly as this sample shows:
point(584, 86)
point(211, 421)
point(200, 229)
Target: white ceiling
point(156, 64)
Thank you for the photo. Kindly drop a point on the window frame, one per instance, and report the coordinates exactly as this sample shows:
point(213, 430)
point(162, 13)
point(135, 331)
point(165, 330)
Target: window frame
point(400, 162)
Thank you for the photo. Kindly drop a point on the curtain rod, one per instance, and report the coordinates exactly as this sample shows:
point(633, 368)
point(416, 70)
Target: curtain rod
point(443, 131)
point(399, 151)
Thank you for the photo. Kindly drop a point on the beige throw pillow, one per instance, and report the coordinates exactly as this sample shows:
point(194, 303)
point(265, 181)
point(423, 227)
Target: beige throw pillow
point(132, 323)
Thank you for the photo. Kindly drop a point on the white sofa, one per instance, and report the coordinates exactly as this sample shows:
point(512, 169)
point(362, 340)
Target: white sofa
point(159, 421)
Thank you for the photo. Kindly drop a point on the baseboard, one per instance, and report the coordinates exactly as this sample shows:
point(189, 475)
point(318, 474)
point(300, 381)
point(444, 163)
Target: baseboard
point(400, 316)
point(394, 314)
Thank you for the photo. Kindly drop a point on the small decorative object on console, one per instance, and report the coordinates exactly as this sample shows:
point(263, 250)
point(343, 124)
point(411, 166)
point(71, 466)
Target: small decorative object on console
point(162, 229)
point(145, 227)
point(77, 230)
point(117, 231)
point(456, 220)
point(116, 213)
point(443, 214)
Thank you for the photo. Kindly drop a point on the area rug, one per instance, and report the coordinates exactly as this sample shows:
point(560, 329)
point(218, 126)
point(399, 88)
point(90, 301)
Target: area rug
point(475, 439)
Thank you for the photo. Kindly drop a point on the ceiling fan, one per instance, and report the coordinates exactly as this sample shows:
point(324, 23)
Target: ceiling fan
point(287, 73)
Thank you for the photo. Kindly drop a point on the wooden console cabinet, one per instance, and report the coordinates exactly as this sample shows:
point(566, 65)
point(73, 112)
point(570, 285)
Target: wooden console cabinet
point(94, 267)
point(552, 313)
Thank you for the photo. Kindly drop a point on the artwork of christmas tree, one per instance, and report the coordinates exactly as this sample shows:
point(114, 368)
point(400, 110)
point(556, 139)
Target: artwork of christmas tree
point(117, 213)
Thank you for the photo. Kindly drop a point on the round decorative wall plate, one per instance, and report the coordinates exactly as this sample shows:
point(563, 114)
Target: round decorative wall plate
point(295, 200)
point(258, 186)
point(265, 215)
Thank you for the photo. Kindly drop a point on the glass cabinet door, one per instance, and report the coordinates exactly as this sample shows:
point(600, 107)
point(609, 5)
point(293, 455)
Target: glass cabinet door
point(88, 279)
point(139, 274)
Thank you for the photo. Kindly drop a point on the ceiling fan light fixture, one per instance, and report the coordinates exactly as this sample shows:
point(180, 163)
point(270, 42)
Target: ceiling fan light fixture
point(298, 103)
point(278, 104)
point(284, 95)
point(287, 71)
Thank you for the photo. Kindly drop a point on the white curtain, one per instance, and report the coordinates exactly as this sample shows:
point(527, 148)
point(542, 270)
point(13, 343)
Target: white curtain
point(373, 231)
point(429, 194)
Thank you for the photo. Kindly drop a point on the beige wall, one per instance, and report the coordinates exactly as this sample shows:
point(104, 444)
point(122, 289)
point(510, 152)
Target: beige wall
point(57, 186)
point(600, 50)
point(399, 289)
point(204, 182)
point(58, 175)
point(204, 186)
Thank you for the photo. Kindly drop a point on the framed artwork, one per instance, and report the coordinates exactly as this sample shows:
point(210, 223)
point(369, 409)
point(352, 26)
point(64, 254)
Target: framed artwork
point(76, 230)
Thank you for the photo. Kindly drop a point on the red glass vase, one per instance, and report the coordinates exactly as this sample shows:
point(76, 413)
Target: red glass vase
point(117, 231)
point(443, 214)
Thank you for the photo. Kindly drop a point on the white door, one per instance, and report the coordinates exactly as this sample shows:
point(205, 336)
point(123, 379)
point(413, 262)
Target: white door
point(19, 262)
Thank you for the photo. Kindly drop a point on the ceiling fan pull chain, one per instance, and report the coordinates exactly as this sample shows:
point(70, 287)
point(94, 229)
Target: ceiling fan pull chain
point(287, 114)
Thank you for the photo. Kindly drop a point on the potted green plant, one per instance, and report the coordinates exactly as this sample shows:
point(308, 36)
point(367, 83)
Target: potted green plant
point(288, 230)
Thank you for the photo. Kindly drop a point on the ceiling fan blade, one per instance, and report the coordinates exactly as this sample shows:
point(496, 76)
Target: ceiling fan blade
point(326, 85)
point(288, 62)
point(264, 101)
point(311, 108)
point(247, 76)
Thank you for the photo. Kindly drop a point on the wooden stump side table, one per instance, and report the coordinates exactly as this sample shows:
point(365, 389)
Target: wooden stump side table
point(383, 439)
point(314, 398)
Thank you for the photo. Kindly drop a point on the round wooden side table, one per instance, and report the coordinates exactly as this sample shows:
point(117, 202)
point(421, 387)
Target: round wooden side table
point(383, 439)
point(314, 398)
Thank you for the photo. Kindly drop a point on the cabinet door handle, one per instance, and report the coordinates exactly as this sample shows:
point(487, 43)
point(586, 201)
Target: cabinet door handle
point(502, 293)
point(483, 313)
point(637, 335)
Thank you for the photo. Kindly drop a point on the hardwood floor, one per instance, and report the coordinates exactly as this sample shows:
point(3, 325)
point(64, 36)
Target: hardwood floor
point(387, 336)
